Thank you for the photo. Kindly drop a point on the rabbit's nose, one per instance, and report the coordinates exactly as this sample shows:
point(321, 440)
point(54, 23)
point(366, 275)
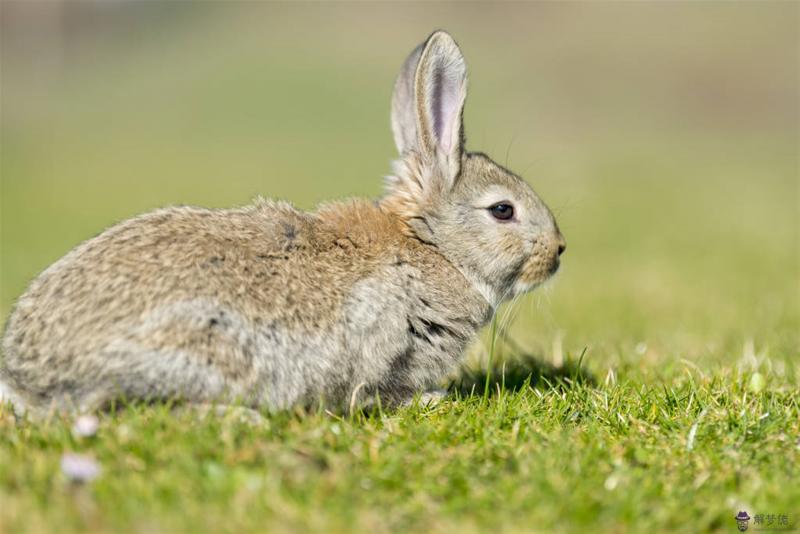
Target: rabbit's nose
point(562, 244)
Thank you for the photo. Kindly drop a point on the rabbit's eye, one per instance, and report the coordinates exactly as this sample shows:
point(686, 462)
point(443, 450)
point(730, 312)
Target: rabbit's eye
point(502, 211)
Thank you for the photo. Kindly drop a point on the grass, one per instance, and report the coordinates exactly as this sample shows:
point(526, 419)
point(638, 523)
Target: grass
point(652, 386)
point(564, 455)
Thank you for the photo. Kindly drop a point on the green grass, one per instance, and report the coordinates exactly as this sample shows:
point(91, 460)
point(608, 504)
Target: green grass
point(564, 455)
point(652, 386)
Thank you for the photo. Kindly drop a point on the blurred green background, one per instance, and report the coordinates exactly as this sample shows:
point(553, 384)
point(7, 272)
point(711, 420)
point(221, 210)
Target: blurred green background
point(663, 135)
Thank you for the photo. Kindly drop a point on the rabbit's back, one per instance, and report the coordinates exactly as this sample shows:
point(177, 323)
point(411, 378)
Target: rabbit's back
point(264, 304)
point(182, 302)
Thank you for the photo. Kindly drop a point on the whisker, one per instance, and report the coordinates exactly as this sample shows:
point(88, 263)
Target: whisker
point(493, 338)
point(508, 149)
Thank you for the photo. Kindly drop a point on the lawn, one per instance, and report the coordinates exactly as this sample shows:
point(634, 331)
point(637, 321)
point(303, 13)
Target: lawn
point(566, 455)
point(653, 385)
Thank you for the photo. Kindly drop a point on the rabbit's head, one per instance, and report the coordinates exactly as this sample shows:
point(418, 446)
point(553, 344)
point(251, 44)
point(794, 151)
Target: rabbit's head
point(483, 218)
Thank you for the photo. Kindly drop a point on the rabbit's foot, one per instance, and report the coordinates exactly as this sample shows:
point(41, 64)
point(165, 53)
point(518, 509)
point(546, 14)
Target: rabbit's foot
point(427, 398)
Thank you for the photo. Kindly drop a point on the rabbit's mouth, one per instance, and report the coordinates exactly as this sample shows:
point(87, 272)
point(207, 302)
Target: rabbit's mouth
point(542, 264)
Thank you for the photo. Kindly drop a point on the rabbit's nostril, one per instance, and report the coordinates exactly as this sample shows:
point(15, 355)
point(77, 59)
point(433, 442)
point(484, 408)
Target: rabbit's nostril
point(561, 242)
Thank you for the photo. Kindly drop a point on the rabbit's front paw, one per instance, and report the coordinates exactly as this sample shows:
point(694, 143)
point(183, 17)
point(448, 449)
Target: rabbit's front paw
point(427, 398)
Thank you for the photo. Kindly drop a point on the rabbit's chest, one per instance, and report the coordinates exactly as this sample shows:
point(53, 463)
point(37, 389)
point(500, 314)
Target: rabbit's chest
point(403, 329)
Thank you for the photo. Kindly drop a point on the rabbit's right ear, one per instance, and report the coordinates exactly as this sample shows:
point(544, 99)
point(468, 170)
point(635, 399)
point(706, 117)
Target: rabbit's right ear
point(427, 106)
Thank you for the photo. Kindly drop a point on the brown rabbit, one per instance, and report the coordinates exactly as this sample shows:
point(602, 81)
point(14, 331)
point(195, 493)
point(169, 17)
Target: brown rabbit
point(273, 307)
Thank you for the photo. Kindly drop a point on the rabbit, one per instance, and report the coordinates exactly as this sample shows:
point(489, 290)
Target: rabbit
point(270, 307)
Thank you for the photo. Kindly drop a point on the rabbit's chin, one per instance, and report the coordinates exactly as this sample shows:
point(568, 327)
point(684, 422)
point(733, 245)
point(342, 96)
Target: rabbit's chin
point(522, 286)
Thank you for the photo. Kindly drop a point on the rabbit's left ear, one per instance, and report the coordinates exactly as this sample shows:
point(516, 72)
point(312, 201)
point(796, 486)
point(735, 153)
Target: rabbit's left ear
point(427, 108)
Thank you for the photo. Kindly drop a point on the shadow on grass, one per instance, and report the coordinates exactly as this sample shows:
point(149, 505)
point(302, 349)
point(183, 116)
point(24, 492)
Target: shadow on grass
point(522, 370)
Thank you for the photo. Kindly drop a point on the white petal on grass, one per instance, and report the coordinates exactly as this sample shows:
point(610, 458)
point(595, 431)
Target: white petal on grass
point(85, 426)
point(693, 430)
point(79, 467)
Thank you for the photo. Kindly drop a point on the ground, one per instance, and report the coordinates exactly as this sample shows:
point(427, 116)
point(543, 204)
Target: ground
point(680, 453)
point(652, 386)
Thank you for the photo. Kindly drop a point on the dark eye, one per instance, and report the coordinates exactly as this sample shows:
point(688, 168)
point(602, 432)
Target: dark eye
point(502, 211)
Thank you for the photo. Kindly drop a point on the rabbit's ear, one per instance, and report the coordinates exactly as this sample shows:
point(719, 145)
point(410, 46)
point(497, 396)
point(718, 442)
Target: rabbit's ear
point(427, 106)
point(404, 116)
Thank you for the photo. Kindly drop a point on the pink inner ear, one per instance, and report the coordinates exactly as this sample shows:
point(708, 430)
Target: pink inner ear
point(445, 108)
